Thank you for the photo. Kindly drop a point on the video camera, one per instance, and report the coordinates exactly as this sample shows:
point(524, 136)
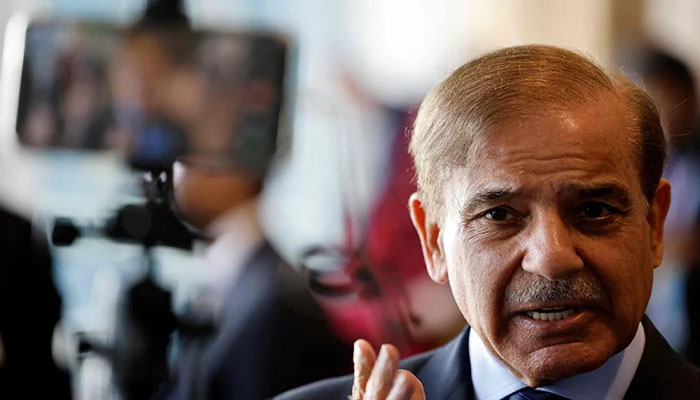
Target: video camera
point(154, 91)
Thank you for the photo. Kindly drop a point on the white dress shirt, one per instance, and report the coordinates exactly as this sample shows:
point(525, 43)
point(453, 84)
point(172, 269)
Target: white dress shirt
point(493, 381)
point(237, 236)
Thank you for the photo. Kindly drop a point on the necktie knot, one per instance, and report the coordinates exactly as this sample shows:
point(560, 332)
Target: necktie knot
point(532, 394)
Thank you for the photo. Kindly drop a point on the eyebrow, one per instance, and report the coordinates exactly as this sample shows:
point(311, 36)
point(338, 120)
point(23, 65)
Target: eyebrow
point(487, 197)
point(606, 190)
point(490, 195)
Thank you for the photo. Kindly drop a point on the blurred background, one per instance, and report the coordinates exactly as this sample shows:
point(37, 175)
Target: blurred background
point(333, 203)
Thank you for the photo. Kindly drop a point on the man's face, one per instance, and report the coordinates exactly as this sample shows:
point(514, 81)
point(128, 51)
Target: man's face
point(548, 242)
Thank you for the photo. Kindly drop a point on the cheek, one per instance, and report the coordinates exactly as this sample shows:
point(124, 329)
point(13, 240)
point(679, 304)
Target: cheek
point(625, 268)
point(478, 275)
point(633, 284)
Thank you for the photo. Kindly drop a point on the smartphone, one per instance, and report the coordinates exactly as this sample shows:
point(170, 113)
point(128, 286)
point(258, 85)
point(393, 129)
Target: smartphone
point(151, 93)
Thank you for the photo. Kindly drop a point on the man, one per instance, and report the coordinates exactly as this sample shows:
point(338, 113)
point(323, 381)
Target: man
point(540, 200)
point(270, 334)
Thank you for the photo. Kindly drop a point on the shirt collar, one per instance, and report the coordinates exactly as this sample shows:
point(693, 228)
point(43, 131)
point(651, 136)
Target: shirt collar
point(237, 235)
point(493, 381)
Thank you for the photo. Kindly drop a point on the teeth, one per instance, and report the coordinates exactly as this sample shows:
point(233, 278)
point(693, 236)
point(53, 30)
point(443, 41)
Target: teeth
point(550, 314)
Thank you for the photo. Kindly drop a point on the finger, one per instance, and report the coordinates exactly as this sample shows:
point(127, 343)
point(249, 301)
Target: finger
point(418, 392)
point(402, 389)
point(382, 378)
point(363, 359)
point(406, 387)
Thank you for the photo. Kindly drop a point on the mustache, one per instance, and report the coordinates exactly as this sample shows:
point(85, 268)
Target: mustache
point(532, 288)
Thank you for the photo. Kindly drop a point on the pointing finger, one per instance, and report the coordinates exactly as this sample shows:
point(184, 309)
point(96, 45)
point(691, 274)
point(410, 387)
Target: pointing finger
point(382, 377)
point(363, 358)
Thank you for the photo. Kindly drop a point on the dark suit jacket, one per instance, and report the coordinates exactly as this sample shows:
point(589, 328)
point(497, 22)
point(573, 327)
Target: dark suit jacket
point(272, 337)
point(30, 306)
point(445, 374)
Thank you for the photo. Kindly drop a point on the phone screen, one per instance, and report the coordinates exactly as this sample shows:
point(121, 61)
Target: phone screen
point(152, 94)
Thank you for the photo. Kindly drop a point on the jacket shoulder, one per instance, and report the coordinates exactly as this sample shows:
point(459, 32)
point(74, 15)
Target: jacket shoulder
point(328, 389)
point(663, 374)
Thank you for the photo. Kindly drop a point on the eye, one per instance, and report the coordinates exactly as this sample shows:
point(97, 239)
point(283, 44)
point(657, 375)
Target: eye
point(498, 214)
point(596, 210)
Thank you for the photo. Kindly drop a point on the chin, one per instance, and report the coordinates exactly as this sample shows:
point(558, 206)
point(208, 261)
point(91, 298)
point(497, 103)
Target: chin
point(562, 361)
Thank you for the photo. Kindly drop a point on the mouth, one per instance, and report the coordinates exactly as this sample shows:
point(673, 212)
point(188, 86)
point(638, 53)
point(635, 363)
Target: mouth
point(551, 314)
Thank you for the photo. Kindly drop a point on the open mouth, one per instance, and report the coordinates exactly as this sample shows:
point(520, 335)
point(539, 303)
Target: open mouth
point(551, 314)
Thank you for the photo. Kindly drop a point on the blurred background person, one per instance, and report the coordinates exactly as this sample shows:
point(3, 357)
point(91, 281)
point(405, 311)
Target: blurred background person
point(270, 334)
point(675, 305)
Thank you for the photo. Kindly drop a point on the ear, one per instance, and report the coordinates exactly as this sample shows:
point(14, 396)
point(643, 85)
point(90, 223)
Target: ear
point(656, 217)
point(429, 234)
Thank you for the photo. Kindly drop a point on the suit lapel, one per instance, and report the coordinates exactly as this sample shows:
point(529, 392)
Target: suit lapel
point(661, 373)
point(441, 380)
point(255, 282)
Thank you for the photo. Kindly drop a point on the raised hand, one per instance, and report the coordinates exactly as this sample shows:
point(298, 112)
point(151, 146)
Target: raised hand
point(377, 377)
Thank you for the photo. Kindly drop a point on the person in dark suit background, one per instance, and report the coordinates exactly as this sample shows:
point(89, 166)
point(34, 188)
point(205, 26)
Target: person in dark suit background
point(270, 334)
point(540, 200)
point(30, 307)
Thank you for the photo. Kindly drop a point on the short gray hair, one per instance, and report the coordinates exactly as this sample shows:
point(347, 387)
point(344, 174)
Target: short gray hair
point(519, 82)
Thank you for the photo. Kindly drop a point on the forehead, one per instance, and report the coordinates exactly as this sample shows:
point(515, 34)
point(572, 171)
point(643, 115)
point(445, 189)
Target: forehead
point(583, 144)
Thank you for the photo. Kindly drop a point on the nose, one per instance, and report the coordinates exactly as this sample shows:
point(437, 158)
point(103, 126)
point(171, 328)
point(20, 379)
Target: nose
point(550, 249)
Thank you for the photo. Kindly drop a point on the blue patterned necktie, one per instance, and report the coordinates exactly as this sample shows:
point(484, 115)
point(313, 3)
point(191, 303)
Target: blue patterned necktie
point(532, 394)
